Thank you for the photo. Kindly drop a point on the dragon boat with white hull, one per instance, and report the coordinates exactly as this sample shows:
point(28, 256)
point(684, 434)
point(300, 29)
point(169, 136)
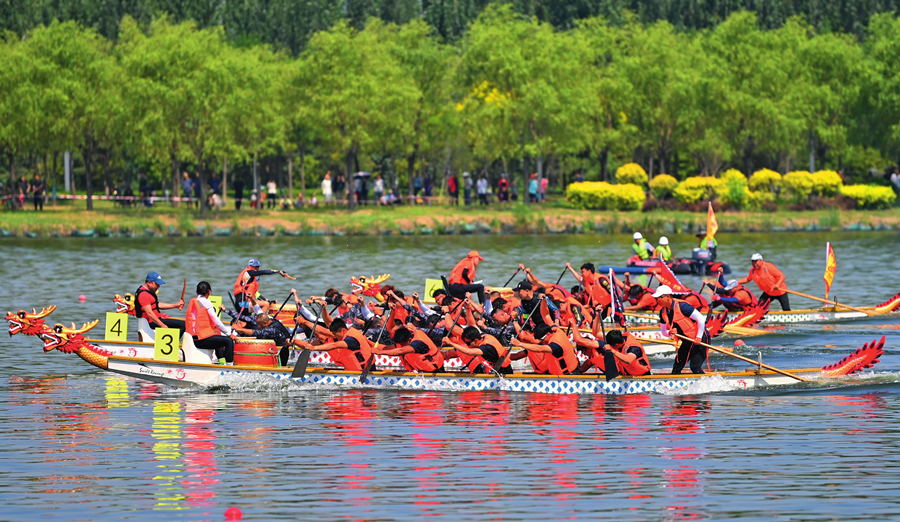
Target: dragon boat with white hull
point(197, 371)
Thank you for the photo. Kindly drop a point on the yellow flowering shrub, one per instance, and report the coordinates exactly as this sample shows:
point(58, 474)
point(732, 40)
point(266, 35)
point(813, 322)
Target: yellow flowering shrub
point(765, 180)
point(827, 182)
point(631, 173)
point(698, 188)
point(599, 195)
point(662, 185)
point(870, 196)
point(799, 184)
point(734, 189)
point(755, 198)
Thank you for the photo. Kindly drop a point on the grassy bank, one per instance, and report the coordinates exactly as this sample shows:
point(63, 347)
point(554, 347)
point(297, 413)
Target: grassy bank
point(105, 220)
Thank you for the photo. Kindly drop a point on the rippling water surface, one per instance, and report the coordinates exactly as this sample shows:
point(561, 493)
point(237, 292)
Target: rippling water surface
point(79, 444)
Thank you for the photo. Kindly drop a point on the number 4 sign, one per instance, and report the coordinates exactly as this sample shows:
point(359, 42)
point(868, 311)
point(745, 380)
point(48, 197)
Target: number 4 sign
point(165, 348)
point(116, 327)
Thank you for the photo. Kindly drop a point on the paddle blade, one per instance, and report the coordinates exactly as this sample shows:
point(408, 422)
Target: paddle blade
point(365, 371)
point(861, 359)
point(301, 364)
point(890, 305)
point(716, 324)
point(752, 315)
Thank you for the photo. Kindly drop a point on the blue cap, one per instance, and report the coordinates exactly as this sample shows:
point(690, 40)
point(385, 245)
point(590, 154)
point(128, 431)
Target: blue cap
point(154, 277)
point(253, 262)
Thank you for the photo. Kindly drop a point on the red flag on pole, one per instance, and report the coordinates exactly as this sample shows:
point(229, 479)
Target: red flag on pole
point(830, 268)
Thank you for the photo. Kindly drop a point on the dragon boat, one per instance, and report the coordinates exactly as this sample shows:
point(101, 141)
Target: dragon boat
point(197, 371)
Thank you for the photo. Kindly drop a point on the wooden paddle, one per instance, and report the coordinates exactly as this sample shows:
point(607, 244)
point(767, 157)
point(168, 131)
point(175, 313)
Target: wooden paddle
point(365, 371)
point(826, 301)
point(183, 288)
point(303, 358)
point(722, 349)
point(287, 276)
point(514, 275)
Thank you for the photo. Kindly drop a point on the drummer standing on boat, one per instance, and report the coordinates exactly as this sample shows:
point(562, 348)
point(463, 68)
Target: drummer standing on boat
point(679, 317)
point(247, 285)
point(769, 279)
point(148, 305)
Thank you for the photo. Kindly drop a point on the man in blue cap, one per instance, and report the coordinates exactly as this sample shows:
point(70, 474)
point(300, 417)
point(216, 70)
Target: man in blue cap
point(148, 305)
point(247, 285)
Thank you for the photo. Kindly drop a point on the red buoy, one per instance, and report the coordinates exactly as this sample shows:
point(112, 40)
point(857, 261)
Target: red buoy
point(234, 513)
point(739, 342)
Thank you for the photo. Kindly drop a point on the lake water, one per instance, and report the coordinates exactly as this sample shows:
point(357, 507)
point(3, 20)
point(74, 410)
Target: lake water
point(79, 444)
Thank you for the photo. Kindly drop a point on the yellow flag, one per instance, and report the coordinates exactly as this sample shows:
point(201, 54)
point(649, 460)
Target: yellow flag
point(830, 268)
point(712, 226)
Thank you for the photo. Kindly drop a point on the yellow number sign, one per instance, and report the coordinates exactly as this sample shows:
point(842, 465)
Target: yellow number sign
point(216, 301)
point(116, 327)
point(165, 348)
point(430, 286)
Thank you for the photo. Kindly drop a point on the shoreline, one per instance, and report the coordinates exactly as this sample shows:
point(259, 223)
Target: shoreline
point(64, 221)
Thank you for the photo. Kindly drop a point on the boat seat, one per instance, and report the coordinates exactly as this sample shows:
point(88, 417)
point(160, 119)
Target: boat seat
point(192, 354)
point(145, 333)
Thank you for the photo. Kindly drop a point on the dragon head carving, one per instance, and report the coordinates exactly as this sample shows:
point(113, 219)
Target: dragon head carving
point(124, 304)
point(370, 286)
point(66, 340)
point(28, 323)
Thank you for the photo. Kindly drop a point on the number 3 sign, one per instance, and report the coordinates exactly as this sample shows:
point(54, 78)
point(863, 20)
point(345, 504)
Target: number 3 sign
point(165, 348)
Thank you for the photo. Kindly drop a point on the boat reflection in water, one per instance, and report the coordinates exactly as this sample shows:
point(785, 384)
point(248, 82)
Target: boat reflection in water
point(683, 425)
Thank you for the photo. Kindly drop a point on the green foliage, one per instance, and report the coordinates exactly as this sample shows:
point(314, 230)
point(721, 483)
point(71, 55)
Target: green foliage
point(765, 180)
point(754, 199)
point(827, 182)
point(599, 195)
point(697, 189)
point(799, 185)
point(870, 196)
point(632, 173)
point(662, 185)
point(735, 192)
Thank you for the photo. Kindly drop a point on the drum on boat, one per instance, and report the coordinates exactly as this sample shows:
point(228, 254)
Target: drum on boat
point(256, 352)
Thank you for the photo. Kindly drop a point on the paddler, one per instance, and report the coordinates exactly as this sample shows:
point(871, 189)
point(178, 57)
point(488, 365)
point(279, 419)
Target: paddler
point(555, 355)
point(769, 279)
point(148, 305)
point(351, 351)
point(462, 278)
point(482, 352)
point(640, 298)
point(524, 292)
point(247, 284)
point(663, 251)
point(679, 317)
point(642, 248)
point(265, 327)
point(618, 355)
point(596, 293)
point(735, 297)
point(417, 352)
point(203, 324)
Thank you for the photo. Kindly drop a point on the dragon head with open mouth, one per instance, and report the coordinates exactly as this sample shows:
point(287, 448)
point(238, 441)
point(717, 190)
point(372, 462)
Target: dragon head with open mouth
point(370, 286)
point(124, 304)
point(28, 323)
point(64, 339)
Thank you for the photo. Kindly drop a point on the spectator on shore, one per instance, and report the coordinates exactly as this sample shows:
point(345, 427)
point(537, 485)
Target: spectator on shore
point(214, 183)
point(503, 188)
point(467, 188)
point(272, 193)
point(299, 202)
point(144, 190)
point(514, 191)
point(482, 189)
point(453, 189)
point(313, 201)
point(326, 189)
point(579, 178)
point(254, 198)
point(215, 201)
point(339, 187)
point(37, 192)
point(357, 189)
point(196, 185)
point(428, 186)
point(544, 183)
point(533, 189)
point(238, 193)
point(187, 186)
point(379, 189)
point(22, 189)
point(417, 185)
point(895, 180)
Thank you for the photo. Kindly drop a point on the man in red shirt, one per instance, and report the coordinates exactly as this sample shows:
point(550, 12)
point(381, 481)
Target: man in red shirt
point(148, 305)
point(769, 279)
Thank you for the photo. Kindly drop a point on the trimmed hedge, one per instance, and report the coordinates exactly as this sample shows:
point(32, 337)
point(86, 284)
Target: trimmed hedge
point(734, 191)
point(696, 189)
point(599, 195)
point(631, 173)
point(870, 196)
point(799, 184)
point(827, 182)
point(765, 180)
point(662, 185)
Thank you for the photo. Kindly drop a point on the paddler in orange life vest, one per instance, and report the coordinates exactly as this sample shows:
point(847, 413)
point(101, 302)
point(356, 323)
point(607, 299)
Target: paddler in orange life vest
point(595, 292)
point(203, 324)
point(416, 350)
point(618, 355)
point(247, 284)
point(351, 351)
point(639, 296)
point(462, 278)
point(482, 352)
point(679, 317)
point(769, 279)
point(148, 305)
point(555, 354)
point(735, 297)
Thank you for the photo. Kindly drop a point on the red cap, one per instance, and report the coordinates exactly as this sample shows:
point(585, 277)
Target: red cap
point(474, 253)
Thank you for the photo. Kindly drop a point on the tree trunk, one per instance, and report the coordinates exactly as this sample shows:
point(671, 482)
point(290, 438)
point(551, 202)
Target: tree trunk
point(107, 179)
point(291, 177)
point(674, 168)
point(349, 160)
point(303, 172)
point(256, 180)
point(604, 163)
point(650, 164)
point(662, 161)
point(53, 173)
point(175, 181)
point(87, 152)
point(411, 170)
point(224, 181)
point(526, 175)
point(841, 163)
point(812, 153)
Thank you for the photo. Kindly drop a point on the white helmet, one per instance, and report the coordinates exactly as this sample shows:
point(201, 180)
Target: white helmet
point(637, 235)
point(664, 241)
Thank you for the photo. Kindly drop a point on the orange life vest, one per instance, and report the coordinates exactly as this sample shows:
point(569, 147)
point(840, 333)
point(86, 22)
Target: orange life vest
point(766, 277)
point(397, 313)
point(252, 285)
point(473, 361)
point(675, 317)
point(697, 301)
point(640, 365)
point(429, 362)
point(198, 323)
point(599, 295)
point(456, 276)
point(745, 297)
point(353, 360)
point(565, 364)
